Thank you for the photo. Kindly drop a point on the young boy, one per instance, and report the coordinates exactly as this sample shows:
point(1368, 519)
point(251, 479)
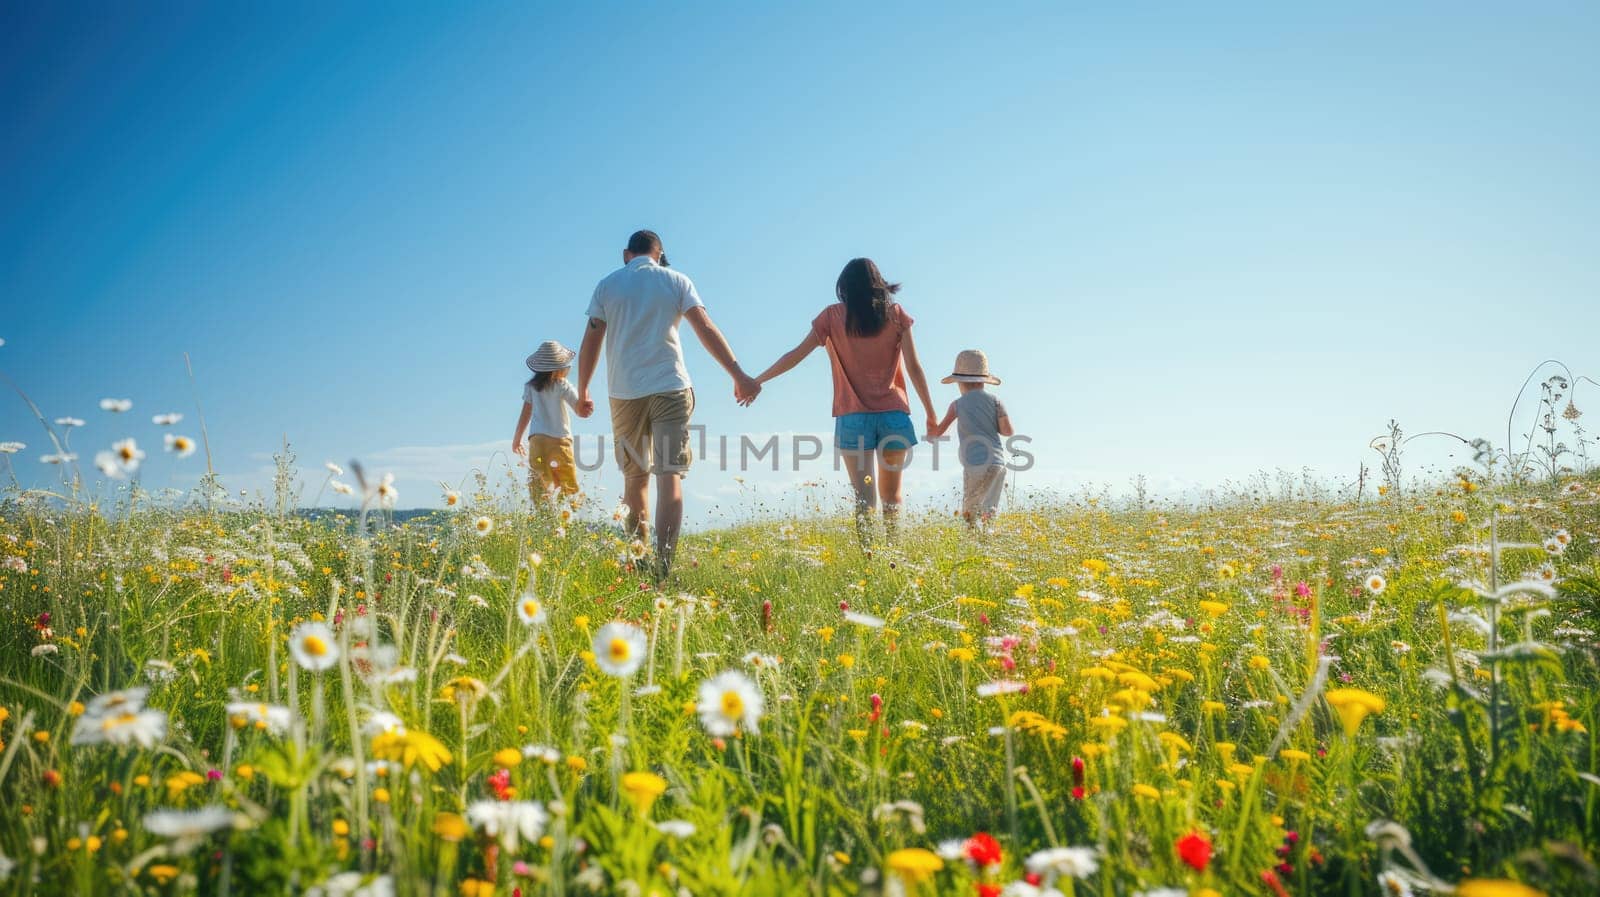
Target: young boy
point(980, 422)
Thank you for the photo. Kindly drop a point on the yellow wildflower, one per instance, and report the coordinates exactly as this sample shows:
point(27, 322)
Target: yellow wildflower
point(914, 864)
point(642, 788)
point(1353, 706)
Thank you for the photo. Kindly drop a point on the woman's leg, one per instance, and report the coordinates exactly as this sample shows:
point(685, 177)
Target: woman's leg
point(859, 465)
point(891, 464)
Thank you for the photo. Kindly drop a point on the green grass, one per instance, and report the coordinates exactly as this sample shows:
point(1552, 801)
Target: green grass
point(1189, 719)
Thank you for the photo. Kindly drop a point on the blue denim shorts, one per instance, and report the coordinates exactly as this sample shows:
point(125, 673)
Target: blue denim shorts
point(869, 430)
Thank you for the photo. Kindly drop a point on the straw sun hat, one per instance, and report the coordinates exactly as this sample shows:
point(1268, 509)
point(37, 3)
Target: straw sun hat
point(972, 366)
point(550, 356)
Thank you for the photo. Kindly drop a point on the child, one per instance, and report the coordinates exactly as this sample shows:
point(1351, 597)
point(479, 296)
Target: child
point(980, 422)
point(544, 416)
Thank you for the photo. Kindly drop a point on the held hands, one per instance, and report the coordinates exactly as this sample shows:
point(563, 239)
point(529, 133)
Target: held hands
point(745, 389)
point(932, 425)
point(585, 405)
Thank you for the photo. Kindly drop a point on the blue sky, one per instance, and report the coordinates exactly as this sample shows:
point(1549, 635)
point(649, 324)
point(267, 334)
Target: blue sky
point(1196, 240)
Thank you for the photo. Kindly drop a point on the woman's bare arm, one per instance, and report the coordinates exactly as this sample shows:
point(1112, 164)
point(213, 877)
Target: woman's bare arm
point(919, 380)
point(790, 358)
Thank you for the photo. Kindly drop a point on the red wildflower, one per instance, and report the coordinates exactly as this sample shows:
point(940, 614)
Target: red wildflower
point(988, 889)
point(983, 849)
point(500, 783)
point(1195, 850)
point(1273, 884)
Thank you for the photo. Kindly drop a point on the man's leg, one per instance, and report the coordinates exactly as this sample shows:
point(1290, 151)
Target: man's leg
point(630, 425)
point(669, 518)
point(636, 495)
point(669, 425)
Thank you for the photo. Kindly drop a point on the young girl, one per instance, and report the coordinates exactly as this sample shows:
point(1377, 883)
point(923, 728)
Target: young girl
point(545, 399)
point(868, 337)
point(980, 422)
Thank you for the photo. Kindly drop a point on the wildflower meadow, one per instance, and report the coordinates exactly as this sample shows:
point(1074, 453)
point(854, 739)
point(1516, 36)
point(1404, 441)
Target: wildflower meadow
point(1274, 694)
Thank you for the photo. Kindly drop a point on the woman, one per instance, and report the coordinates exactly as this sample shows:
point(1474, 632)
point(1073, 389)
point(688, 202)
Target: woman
point(868, 338)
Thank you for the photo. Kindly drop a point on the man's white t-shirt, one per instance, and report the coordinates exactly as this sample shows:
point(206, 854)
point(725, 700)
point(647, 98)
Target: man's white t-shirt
point(641, 304)
point(549, 417)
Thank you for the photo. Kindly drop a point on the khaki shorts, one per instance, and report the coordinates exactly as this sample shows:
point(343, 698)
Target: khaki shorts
point(652, 433)
point(980, 493)
point(552, 467)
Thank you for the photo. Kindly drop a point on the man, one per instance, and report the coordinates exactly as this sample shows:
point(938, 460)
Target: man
point(635, 313)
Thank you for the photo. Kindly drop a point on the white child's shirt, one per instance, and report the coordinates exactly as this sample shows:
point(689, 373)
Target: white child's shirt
point(549, 416)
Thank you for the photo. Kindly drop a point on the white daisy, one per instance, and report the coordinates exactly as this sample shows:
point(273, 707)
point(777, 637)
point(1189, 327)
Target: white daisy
point(1055, 862)
point(483, 525)
point(861, 619)
point(619, 648)
point(125, 701)
point(182, 446)
point(334, 469)
point(1003, 687)
point(342, 488)
point(384, 722)
point(387, 494)
point(144, 727)
point(1020, 888)
point(128, 454)
point(106, 463)
point(530, 610)
point(270, 718)
point(730, 700)
point(166, 420)
point(452, 498)
point(313, 646)
point(116, 406)
point(69, 422)
point(681, 829)
point(11, 448)
point(1393, 884)
point(188, 823)
point(544, 753)
point(348, 884)
point(508, 819)
point(1376, 584)
point(59, 458)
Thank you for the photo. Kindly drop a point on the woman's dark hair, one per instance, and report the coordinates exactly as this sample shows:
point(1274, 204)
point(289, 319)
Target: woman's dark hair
point(866, 297)
point(541, 379)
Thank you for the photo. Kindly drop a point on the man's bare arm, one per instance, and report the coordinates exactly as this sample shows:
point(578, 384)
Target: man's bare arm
point(588, 357)
point(745, 387)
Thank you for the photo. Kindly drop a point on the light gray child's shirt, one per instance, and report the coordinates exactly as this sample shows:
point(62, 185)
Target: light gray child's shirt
point(978, 416)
